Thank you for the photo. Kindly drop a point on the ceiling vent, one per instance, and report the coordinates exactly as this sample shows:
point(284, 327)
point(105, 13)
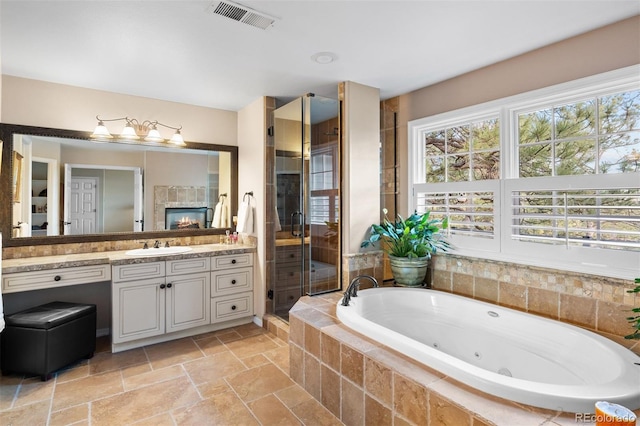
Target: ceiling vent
point(242, 14)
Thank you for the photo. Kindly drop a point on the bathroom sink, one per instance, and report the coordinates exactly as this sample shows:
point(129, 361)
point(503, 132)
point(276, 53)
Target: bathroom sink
point(160, 251)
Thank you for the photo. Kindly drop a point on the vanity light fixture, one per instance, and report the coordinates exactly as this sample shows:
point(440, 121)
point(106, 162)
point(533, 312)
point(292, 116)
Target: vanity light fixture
point(135, 130)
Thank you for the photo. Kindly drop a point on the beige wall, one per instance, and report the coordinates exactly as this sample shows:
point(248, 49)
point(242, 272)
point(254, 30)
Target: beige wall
point(604, 49)
point(361, 168)
point(38, 103)
point(252, 129)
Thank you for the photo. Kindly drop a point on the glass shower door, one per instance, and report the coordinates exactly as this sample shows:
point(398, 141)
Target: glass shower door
point(307, 200)
point(321, 198)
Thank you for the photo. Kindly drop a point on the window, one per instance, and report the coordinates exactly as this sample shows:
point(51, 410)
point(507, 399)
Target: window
point(323, 201)
point(466, 152)
point(549, 178)
point(596, 135)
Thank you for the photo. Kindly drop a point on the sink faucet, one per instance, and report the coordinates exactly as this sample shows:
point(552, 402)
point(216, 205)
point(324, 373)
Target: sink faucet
point(156, 244)
point(352, 290)
point(145, 245)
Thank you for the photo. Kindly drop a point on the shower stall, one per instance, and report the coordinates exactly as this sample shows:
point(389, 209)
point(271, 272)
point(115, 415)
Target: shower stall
point(308, 253)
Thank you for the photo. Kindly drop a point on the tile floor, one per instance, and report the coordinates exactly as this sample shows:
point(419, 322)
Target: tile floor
point(238, 376)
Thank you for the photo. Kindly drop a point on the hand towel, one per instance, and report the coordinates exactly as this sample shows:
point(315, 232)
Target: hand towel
point(224, 215)
point(217, 216)
point(245, 218)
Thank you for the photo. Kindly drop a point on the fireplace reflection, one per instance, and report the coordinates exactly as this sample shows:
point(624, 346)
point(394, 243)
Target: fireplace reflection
point(186, 217)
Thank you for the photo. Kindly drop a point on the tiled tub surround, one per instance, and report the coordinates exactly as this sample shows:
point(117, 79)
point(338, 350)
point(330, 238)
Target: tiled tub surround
point(365, 383)
point(590, 301)
point(594, 302)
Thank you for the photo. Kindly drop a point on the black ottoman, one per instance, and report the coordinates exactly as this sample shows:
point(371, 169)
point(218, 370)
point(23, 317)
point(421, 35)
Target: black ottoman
point(46, 338)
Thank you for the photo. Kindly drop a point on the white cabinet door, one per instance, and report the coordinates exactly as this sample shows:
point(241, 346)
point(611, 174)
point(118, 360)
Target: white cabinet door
point(139, 309)
point(187, 303)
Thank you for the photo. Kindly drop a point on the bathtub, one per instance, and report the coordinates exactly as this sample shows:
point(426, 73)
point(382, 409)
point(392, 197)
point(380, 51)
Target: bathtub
point(500, 351)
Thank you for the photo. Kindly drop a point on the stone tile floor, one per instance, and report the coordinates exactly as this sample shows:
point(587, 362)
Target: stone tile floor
point(238, 376)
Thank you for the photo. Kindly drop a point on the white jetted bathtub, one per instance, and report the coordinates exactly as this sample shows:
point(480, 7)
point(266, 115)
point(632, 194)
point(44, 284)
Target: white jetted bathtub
point(500, 351)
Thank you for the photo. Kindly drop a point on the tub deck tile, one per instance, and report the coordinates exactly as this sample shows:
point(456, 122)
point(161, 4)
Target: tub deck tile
point(496, 410)
point(351, 338)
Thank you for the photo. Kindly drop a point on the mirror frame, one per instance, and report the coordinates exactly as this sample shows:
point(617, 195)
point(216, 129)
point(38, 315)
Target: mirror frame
point(6, 192)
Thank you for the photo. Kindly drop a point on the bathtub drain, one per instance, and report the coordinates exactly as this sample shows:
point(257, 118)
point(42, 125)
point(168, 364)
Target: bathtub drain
point(493, 314)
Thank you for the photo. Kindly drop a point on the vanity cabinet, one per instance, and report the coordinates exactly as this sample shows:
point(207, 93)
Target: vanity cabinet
point(138, 300)
point(187, 293)
point(49, 278)
point(155, 298)
point(231, 287)
point(163, 300)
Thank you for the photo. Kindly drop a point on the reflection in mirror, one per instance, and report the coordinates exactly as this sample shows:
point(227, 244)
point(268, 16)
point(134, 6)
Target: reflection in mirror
point(100, 199)
point(75, 187)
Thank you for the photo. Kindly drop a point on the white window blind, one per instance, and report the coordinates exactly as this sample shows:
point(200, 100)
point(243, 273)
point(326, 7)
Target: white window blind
point(469, 213)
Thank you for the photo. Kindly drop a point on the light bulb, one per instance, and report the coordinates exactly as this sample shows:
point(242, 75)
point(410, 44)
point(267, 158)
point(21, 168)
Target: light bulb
point(154, 135)
point(177, 139)
point(101, 132)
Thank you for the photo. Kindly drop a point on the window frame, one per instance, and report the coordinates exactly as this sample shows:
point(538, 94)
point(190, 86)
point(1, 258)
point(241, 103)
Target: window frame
point(605, 262)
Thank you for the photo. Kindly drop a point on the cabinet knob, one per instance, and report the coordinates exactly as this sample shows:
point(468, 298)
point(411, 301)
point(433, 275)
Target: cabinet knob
point(233, 281)
point(169, 285)
point(162, 286)
point(290, 297)
point(57, 278)
point(233, 261)
point(292, 255)
point(233, 307)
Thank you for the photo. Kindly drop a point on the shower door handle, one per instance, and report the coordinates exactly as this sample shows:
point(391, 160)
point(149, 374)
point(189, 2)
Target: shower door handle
point(293, 231)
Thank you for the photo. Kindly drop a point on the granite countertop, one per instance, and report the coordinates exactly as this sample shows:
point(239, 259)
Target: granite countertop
point(116, 258)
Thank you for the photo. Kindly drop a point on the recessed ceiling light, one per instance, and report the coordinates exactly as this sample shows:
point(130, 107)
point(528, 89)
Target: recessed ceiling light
point(324, 57)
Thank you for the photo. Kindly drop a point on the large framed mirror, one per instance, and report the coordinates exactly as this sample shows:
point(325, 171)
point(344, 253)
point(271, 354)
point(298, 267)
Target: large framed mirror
point(73, 189)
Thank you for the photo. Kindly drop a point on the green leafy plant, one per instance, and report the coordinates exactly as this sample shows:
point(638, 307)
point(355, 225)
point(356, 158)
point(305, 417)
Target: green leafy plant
point(635, 319)
point(413, 237)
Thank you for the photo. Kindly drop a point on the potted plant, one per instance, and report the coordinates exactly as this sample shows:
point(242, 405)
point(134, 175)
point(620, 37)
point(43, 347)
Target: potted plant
point(409, 243)
point(634, 319)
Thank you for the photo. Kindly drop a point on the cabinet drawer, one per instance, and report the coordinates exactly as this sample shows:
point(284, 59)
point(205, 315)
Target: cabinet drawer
point(33, 280)
point(231, 281)
point(226, 308)
point(285, 299)
point(287, 276)
point(138, 271)
point(291, 254)
point(188, 266)
point(232, 261)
